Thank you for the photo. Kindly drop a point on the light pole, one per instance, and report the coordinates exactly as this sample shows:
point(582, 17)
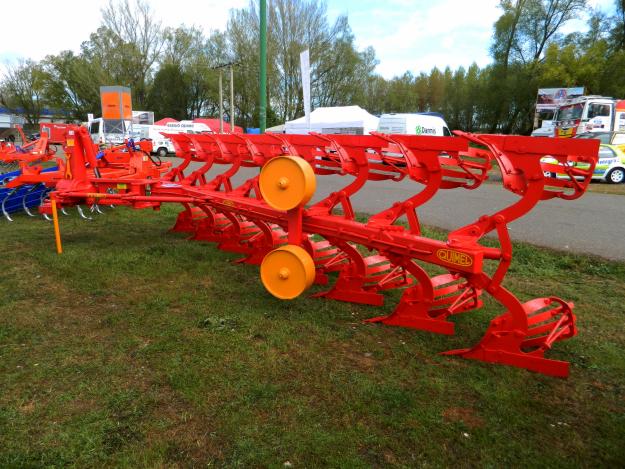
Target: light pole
point(232, 98)
point(221, 67)
point(263, 66)
point(221, 103)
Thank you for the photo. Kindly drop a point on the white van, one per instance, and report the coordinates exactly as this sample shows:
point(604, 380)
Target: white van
point(413, 124)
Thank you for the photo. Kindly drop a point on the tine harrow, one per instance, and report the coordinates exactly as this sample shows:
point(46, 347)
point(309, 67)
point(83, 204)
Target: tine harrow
point(29, 185)
point(16, 197)
point(267, 221)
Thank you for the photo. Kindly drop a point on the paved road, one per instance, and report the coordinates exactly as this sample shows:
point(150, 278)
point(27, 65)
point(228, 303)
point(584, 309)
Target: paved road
point(593, 224)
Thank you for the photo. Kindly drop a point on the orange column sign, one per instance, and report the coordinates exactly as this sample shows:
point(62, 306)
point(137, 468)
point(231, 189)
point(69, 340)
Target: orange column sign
point(116, 102)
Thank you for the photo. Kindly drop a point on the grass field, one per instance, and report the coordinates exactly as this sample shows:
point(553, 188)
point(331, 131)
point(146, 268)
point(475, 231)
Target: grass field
point(138, 348)
point(596, 186)
point(605, 188)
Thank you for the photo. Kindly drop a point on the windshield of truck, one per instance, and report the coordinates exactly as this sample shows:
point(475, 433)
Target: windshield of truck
point(114, 126)
point(571, 112)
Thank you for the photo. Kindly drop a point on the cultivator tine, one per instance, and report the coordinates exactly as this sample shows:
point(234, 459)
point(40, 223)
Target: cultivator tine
point(24, 202)
point(82, 213)
point(5, 212)
point(95, 208)
point(64, 211)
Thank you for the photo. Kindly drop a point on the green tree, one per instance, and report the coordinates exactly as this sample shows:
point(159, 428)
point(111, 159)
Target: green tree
point(22, 90)
point(169, 95)
point(72, 83)
point(339, 72)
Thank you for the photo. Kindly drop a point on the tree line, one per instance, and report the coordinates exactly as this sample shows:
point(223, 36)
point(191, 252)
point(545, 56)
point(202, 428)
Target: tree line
point(174, 71)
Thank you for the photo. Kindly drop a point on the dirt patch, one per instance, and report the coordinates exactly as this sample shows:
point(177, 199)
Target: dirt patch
point(191, 436)
point(363, 361)
point(464, 415)
point(28, 407)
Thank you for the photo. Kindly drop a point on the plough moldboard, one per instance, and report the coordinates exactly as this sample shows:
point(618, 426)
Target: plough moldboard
point(266, 220)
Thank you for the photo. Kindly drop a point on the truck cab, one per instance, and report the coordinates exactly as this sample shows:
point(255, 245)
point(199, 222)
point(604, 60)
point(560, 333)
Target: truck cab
point(589, 114)
point(110, 131)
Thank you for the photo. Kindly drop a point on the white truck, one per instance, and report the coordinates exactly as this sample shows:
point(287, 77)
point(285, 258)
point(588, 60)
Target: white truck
point(414, 124)
point(114, 132)
point(109, 131)
point(589, 114)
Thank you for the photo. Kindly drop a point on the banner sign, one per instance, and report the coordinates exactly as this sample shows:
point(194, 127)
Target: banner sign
point(549, 99)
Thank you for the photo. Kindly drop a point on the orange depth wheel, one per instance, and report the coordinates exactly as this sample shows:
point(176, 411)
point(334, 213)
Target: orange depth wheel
point(287, 182)
point(286, 272)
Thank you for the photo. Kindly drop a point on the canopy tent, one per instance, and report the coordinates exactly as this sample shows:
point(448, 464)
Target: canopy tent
point(352, 120)
point(276, 129)
point(165, 121)
point(213, 124)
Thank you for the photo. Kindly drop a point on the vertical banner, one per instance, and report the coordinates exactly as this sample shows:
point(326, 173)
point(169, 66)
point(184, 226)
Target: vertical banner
point(304, 58)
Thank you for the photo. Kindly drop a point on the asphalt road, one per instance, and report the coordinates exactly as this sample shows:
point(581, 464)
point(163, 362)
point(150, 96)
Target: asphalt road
point(593, 224)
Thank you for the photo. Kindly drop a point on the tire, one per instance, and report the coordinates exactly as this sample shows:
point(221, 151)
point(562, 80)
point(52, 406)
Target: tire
point(161, 152)
point(616, 176)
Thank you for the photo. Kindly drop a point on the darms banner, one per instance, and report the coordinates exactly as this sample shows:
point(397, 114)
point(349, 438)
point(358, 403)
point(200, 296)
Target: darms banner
point(549, 99)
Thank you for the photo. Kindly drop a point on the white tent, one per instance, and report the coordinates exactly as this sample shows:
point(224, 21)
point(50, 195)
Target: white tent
point(352, 120)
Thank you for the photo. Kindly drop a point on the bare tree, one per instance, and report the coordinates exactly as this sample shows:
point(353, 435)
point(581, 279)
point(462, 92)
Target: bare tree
point(134, 23)
point(619, 28)
point(506, 31)
point(338, 70)
point(539, 24)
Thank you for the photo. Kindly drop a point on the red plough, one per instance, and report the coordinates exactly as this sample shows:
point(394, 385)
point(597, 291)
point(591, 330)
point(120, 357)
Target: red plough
point(266, 220)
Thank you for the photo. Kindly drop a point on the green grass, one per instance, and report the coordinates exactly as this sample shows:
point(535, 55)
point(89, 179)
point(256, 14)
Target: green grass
point(599, 187)
point(138, 348)
point(605, 188)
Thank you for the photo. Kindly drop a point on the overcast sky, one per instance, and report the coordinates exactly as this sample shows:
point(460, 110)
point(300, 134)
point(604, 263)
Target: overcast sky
point(413, 35)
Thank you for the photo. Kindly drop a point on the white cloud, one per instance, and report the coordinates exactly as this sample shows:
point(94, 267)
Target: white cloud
point(580, 24)
point(414, 35)
point(417, 36)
